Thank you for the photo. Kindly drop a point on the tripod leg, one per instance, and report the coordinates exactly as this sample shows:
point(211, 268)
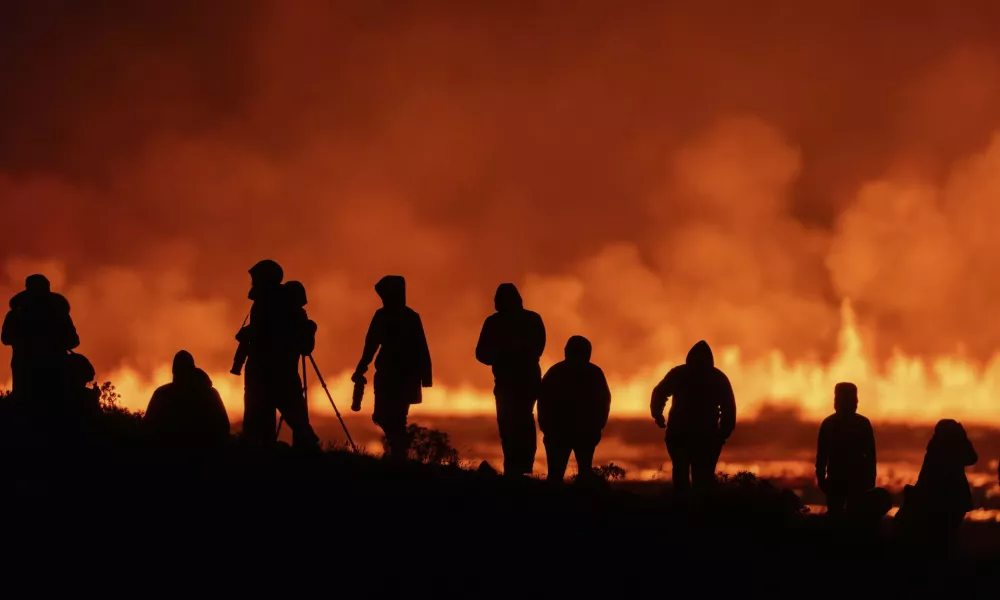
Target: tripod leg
point(329, 396)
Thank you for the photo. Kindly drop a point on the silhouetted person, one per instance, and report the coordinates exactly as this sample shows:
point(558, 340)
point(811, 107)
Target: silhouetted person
point(82, 395)
point(511, 342)
point(188, 413)
point(701, 419)
point(573, 409)
point(402, 367)
point(845, 452)
point(40, 331)
point(277, 336)
point(934, 508)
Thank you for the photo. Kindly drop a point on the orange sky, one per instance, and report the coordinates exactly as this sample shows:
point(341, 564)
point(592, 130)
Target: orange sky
point(649, 175)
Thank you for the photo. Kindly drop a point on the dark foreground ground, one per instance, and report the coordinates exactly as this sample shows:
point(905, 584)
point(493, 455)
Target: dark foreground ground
point(116, 518)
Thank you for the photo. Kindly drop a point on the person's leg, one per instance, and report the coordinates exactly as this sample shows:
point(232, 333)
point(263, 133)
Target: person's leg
point(393, 424)
point(583, 450)
point(259, 414)
point(836, 503)
point(704, 461)
point(557, 455)
point(295, 411)
point(505, 430)
point(680, 459)
point(391, 411)
point(527, 436)
point(516, 423)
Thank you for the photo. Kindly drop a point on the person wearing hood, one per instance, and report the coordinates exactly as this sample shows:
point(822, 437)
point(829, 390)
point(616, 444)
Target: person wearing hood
point(273, 343)
point(701, 419)
point(573, 408)
point(402, 367)
point(187, 413)
point(936, 505)
point(511, 343)
point(40, 331)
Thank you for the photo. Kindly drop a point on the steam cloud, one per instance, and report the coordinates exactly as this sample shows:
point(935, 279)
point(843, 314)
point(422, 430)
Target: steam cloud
point(649, 175)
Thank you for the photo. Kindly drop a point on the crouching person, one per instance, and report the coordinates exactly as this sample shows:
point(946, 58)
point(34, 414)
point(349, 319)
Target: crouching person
point(573, 409)
point(187, 414)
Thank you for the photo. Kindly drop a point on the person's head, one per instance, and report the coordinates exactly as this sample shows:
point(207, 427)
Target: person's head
point(296, 293)
point(183, 368)
point(37, 284)
point(507, 298)
point(948, 431)
point(700, 356)
point(392, 290)
point(845, 397)
point(266, 273)
point(578, 349)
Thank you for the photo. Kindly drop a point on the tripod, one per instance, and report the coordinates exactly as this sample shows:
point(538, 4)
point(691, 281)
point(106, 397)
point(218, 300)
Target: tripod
point(305, 397)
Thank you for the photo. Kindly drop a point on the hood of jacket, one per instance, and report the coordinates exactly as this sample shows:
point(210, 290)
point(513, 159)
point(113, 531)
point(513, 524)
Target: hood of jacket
point(700, 356)
point(507, 298)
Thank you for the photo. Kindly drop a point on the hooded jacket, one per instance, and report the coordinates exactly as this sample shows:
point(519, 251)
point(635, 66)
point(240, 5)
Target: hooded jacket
point(575, 400)
point(703, 399)
point(512, 339)
point(396, 333)
point(188, 411)
point(942, 483)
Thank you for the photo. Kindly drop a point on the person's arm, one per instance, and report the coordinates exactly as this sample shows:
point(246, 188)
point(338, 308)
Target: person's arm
point(426, 375)
point(658, 402)
point(604, 398)
point(545, 398)
point(222, 423)
point(727, 406)
point(9, 333)
point(538, 337)
point(71, 337)
point(969, 455)
point(486, 347)
point(871, 465)
point(373, 339)
point(154, 412)
point(822, 455)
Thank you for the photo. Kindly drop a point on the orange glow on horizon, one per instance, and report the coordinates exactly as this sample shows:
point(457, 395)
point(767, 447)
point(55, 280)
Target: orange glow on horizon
point(908, 389)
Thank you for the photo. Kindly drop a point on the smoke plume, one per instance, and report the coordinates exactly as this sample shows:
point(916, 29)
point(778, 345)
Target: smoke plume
point(649, 175)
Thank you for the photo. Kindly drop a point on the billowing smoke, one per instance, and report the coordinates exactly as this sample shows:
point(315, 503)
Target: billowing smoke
point(649, 175)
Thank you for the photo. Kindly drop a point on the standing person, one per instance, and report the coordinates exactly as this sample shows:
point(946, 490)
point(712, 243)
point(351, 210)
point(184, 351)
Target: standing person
point(273, 342)
point(845, 453)
point(701, 419)
point(41, 333)
point(511, 342)
point(402, 367)
point(573, 408)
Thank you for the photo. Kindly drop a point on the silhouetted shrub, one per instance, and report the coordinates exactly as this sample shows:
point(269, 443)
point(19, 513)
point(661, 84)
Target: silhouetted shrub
point(610, 472)
point(429, 445)
point(116, 418)
point(745, 492)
